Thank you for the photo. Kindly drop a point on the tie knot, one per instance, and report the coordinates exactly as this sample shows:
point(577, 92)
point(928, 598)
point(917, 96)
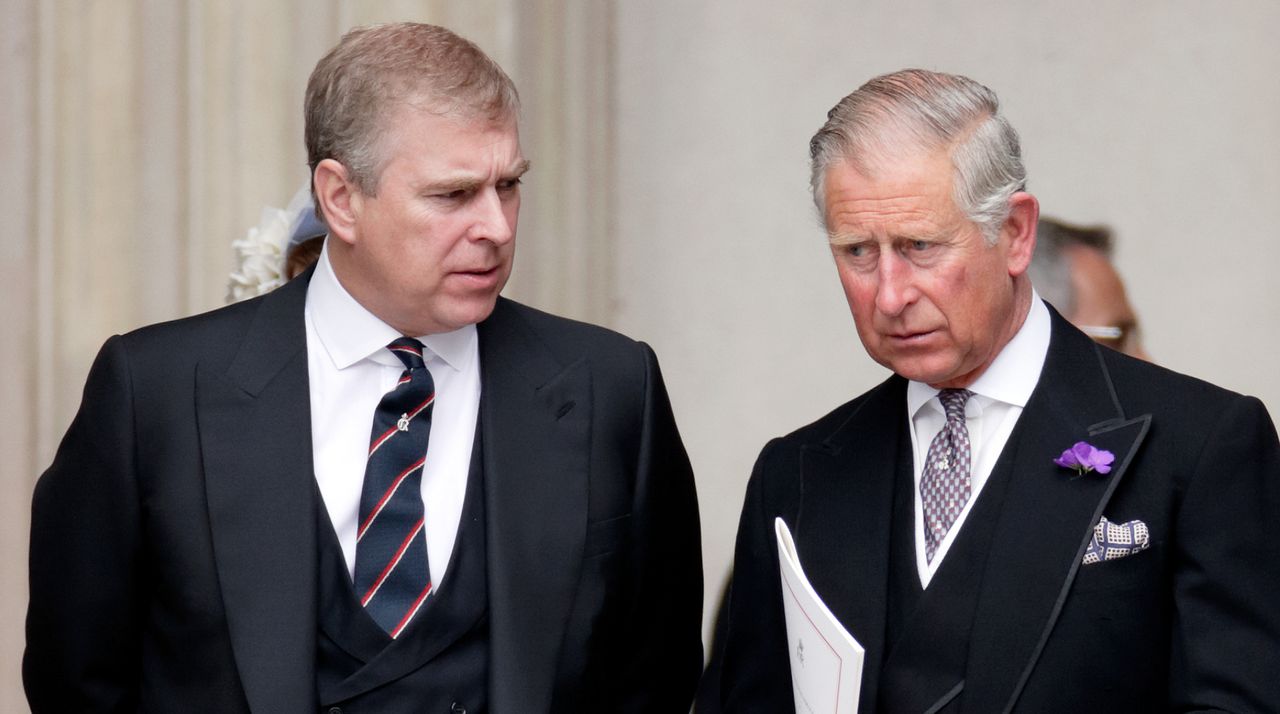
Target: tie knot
point(409, 351)
point(953, 401)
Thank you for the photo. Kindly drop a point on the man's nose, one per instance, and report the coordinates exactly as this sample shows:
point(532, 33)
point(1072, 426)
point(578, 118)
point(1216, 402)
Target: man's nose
point(894, 288)
point(490, 221)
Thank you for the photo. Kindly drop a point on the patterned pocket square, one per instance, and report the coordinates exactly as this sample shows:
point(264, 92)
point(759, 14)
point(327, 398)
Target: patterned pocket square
point(1111, 541)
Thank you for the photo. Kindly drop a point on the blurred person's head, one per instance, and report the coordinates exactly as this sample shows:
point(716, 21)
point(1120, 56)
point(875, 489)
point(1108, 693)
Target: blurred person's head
point(413, 141)
point(919, 181)
point(302, 255)
point(1072, 270)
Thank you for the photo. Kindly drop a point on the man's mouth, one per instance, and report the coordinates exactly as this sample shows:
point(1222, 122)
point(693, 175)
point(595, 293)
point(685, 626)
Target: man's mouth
point(483, 278)
point(910, 337)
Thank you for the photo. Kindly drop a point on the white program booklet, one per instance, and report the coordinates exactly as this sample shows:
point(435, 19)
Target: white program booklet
point(826, 662)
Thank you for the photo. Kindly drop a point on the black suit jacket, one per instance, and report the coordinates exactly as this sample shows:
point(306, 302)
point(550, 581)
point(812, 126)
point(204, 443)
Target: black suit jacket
point(1192, 623)
point(174, 552)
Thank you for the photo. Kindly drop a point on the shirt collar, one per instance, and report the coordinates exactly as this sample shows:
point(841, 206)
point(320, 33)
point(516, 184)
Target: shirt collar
point(1012, 376)
point(350, 333)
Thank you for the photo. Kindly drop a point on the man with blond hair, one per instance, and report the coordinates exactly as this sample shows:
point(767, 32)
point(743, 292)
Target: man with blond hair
point(382, 487)
point(1018, 519)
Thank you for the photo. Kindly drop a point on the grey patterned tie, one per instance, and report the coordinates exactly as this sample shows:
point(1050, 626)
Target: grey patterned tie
point(946, 483)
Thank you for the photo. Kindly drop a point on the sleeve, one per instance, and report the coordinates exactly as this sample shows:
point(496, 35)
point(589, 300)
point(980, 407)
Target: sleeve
point(663, 633)
point(1226, 627)
point(754, 668)
point(83, 617)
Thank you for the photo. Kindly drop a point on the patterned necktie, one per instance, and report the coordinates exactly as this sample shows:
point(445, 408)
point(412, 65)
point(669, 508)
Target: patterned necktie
point(392, 578)
point(946, 483)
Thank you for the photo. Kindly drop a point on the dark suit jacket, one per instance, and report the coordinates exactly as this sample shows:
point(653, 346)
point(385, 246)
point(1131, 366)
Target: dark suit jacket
point(174, 551)
point(1192, 623)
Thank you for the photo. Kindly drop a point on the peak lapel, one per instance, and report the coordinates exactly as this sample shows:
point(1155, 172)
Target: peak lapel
point(1048, 515)
point(255, 435)
point(843, 525)
point(535, 420)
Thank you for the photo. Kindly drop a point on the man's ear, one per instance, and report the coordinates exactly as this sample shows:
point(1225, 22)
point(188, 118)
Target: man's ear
point(339, 199)
point(1019, 230)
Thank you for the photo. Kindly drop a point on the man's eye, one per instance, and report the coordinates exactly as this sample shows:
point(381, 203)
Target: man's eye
point(919, 245)
point(455, 195)
point(509, 185)
point(857, 250)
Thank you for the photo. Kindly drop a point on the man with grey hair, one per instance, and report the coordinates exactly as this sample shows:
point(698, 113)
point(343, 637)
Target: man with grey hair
point(1017, 519)
point(1071, 269)
point(382, 487)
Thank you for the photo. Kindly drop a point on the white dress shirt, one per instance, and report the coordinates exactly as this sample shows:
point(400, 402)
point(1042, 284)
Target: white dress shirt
point(999, 394)
point(350, 370)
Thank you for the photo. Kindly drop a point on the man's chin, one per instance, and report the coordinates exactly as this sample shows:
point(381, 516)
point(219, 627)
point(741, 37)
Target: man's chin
point(471, 312)
point(921, 370)
point(448, 318)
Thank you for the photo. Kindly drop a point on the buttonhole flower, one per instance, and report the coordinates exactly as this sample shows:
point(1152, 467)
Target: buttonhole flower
point(1084, 457)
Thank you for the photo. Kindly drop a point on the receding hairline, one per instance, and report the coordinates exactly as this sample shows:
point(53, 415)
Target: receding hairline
point(465, 116)
point(929, 112)
point(375, 72)
point(894, 143)
point(898, 138)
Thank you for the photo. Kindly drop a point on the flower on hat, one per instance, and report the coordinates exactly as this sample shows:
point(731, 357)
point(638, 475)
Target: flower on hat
point(261, 255)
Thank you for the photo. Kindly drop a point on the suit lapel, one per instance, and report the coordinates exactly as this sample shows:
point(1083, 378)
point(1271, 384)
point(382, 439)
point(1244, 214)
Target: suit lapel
point(255, 436)
point(847, 499)
point(535, 417)
point(1048, 515)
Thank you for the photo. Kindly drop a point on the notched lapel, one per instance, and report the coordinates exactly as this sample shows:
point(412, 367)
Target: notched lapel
point(1048, 515)
point(255, 435)
point(535, 418)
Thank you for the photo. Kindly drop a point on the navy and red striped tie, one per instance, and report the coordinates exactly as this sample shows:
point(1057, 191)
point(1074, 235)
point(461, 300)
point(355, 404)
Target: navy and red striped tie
point(392, 577)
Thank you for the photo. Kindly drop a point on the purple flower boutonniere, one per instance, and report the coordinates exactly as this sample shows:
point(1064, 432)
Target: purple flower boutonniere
point(1083, 457)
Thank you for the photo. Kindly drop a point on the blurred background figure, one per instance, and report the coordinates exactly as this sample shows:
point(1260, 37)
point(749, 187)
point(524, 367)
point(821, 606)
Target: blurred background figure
point(305, 244)
point(1072, 271)
point(283, 244)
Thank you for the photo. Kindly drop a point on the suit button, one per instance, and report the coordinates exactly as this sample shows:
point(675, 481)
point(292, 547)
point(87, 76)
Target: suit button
point(457, 709)
point(335, 710)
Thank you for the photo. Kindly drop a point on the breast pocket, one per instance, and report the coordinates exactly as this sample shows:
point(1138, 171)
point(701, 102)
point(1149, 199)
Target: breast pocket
point(1140, 570)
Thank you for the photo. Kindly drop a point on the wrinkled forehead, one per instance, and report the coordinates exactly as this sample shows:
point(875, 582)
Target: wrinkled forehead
point(893, 161)
point(906, 169)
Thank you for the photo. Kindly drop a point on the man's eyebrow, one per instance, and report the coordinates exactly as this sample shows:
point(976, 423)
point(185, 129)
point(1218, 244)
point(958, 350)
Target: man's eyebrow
point(520, 169)
point(841, 239)
point(472, 183)
point(453, 183)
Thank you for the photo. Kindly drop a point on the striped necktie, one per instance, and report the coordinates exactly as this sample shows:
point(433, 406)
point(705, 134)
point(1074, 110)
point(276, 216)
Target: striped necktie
point(392, 577)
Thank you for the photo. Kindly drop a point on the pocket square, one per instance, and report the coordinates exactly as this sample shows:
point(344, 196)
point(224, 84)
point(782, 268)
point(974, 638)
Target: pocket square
point(1116, 540)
